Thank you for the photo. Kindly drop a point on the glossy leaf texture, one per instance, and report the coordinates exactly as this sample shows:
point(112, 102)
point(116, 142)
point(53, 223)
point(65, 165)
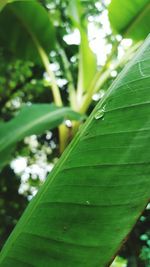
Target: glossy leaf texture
point(130, 18)
point(99, 187)
point(29, 26)
point(34, 119)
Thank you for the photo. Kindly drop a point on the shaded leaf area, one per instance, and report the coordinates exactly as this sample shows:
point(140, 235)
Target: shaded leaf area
point(24, 31)
point(99, 187)
point(133, 20)
point(34, 119)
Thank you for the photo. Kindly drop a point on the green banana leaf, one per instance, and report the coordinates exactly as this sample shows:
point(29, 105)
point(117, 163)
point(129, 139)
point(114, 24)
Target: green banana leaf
point(24, 25)
point(130, 18)
point(99, 187)
point(87, 58)
point(34, 119)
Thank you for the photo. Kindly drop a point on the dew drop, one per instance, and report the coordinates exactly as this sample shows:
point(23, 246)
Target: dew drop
point(99, 114)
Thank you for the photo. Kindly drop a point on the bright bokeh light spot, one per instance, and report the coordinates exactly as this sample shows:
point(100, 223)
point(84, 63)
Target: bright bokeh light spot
point(72, 38)
point(126, 43)
point(97, 43)
point(107, 2)
point(68, 123)
point(19, 164)
point(114, 73)
point(99, 95)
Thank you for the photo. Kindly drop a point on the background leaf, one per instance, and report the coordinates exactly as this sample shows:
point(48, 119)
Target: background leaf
point(34, 119)
point(87, 58)
point(87, 63)
point(133, 20)
point(28, 24)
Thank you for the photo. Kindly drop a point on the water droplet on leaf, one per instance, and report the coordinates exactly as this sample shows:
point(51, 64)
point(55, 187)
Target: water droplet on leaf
point(99, 114)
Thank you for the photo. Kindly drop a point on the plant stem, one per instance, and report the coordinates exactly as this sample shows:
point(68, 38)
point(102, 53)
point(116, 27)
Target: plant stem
point(63, 131)
point(63, 138)
point(54, 87)
point(80, 88)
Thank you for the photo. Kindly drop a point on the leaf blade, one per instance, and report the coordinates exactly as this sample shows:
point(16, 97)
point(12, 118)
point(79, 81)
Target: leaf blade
point(133, 20)
point(24, 32)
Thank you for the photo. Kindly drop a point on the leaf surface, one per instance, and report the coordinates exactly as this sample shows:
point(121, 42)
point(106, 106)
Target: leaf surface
point(28, 25)
point(130, 18)
point(98, 189)
point(34, 119)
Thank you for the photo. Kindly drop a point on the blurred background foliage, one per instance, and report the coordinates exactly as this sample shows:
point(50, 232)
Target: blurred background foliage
point(26, 82)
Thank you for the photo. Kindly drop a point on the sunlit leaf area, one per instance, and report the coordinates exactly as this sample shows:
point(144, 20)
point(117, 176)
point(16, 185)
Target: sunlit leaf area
point(74, 133)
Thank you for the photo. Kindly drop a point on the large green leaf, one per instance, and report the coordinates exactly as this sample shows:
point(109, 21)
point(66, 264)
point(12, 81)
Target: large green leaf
point(99, 187)
point(29, 26)
point(34, 119)
point(130, 18)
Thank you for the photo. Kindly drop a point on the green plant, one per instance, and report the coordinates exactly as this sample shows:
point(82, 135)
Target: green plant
point(89, 204)
point(100, 186)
